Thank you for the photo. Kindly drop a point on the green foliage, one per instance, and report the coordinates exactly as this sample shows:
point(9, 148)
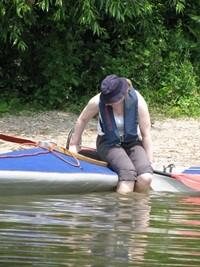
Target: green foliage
point(13, 106)
point(57, 79)
point(4, 107)
point(179, 91)
point(55, 53)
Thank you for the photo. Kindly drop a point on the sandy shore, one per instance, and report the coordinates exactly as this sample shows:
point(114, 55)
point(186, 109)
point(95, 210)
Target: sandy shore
point(176, 141)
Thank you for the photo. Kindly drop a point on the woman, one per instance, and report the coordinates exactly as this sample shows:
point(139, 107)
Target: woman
point(124, 138)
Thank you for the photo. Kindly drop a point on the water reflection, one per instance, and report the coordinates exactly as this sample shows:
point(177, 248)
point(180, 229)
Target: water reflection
point(105, 228)
point(191, 219)
point(125, 239)
point(100, 230)
point(174, 238)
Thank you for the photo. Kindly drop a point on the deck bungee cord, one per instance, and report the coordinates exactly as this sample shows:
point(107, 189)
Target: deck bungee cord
point(47, 147)
point(62, 150)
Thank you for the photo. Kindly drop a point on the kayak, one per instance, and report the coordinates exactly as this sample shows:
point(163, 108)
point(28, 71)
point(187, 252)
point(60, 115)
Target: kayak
point(186, 181)
point(54, 170)
point(38, 171)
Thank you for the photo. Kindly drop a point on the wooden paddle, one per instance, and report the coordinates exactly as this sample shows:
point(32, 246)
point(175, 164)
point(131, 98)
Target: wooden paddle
point(190, 180)
point(18, 140)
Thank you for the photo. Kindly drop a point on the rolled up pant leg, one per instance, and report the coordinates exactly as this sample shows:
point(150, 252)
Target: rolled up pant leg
point(118, 161)
point(140, 160)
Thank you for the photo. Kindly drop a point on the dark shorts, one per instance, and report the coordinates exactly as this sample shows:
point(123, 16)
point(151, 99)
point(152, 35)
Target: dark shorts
point(127, 160)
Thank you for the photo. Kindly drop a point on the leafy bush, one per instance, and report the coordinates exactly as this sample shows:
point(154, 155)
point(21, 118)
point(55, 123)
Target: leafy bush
point(179, 88)
point(55, 53)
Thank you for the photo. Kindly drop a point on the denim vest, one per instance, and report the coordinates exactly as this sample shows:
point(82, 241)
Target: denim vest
point(108, 125)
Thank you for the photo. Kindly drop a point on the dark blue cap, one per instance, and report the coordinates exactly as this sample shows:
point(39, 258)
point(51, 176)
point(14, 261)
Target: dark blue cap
point(113, 88)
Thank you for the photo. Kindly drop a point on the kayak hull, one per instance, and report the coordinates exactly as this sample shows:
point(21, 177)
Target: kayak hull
point(161, 183)
point(23, 182)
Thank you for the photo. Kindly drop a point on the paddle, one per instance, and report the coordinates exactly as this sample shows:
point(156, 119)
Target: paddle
point(190, 180)
point(17, 140)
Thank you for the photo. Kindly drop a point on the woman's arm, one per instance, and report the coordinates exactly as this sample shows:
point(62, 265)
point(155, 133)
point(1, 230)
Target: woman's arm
point(90, 110)
point(145, 126)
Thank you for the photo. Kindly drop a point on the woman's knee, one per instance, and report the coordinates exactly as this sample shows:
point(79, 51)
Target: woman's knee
point(143, 183)
point(145, 179)
point(125, 187)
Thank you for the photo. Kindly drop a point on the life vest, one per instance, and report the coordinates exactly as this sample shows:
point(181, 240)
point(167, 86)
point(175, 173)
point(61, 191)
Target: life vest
point(108, 124)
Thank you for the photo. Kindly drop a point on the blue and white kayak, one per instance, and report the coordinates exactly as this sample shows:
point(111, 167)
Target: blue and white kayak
point(40, 171)
point(33, 171)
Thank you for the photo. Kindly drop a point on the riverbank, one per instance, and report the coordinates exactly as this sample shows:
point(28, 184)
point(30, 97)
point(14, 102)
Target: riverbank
point(175, 140)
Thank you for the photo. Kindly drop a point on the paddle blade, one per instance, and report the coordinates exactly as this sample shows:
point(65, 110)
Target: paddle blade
point(190, 180)
point(15, 139)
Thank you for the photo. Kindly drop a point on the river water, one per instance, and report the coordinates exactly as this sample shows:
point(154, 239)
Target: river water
point(102, 229)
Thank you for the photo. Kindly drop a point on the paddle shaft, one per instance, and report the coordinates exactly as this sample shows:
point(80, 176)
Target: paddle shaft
point(163, 173)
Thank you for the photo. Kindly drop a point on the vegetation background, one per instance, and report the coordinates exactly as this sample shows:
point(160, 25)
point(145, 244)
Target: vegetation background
point(54, 53)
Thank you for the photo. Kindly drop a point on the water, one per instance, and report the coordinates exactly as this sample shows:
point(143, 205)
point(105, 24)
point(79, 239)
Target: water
point(103, 229)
